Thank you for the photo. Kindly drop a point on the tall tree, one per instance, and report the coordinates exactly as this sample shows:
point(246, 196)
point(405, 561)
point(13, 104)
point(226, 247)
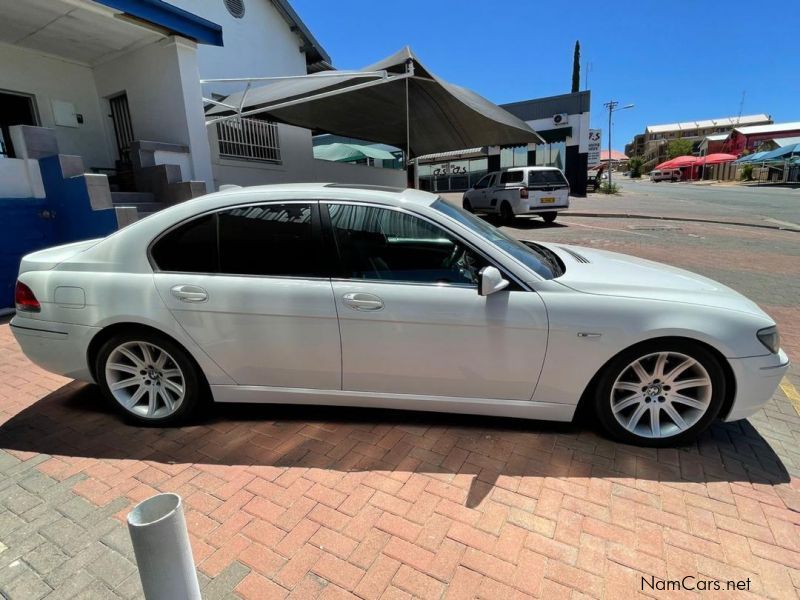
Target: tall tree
point(576, 67)
point(679, 147)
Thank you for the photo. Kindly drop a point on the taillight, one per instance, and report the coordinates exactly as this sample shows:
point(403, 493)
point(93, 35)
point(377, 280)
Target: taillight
point(523, 193)
point(24, 299)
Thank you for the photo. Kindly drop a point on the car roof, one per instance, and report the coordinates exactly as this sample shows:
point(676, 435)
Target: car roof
point(392, 196)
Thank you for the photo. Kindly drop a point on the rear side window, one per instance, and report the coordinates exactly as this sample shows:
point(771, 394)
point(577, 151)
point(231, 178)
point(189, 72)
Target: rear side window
point(549, 178)
point(189, 248)
point(268, 239)
point(512, 176)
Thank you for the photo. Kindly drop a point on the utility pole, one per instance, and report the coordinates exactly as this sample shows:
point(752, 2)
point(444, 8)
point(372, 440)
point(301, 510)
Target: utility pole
point(612, 105)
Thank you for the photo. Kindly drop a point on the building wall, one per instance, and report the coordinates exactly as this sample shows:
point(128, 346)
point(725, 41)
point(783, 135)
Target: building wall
point(258, 45)
point(165, 101)
point(49, 78)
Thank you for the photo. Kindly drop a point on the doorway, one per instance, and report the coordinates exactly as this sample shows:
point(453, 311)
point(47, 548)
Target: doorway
point(15, 109)
point(123, 128)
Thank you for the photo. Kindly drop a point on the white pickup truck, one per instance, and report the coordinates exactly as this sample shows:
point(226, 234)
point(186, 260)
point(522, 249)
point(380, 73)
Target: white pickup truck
point(520, 191)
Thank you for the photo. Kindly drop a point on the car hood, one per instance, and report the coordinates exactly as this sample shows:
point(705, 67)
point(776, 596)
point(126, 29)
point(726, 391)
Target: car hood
point(613, 274)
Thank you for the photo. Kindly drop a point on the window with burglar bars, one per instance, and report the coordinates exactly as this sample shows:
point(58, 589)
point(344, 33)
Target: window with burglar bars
point(249, 139)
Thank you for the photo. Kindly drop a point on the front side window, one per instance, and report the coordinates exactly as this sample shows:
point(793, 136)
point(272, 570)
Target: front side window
point(381, 244)
point(262, 239)
point(484, 182)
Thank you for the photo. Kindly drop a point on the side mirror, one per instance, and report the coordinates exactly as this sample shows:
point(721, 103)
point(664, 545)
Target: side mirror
point(490, 281)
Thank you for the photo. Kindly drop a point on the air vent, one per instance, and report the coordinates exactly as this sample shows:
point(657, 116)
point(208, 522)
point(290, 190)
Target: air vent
point(575, 255)
point(235, 7)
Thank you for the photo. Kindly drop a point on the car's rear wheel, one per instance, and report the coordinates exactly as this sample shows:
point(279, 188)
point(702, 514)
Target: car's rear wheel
point(467, 205)
point(506, 213)
point(549, 217)
point(149, 378)
point(660, 393)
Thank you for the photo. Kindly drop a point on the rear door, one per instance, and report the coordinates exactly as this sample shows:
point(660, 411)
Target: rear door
point(249, 285)
point(547, 188)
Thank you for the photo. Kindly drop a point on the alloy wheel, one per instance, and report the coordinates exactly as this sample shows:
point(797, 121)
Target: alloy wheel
point(660, 395)
point(145, 380)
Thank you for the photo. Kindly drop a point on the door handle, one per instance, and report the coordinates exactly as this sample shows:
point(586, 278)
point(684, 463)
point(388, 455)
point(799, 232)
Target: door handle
point(362, 301)
point(189, 293)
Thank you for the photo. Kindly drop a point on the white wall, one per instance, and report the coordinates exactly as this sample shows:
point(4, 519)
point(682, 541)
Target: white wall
point(20, 178)
point(48, 78)
point(258, 45)
point(162, 84)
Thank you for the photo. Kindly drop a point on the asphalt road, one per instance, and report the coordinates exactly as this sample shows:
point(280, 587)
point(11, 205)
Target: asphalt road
point(726, 202)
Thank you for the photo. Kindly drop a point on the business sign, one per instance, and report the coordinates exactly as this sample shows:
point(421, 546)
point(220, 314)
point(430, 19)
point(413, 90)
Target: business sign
point(594, 146)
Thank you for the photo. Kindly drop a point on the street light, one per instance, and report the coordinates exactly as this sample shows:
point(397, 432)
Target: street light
point(612, 106)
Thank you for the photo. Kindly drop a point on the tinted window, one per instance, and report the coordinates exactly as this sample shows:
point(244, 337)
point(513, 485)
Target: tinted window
point(189, 248)
point(382, 244)
point(484, 182)
point(511, 176)
point(549, 178)
point(269, 239)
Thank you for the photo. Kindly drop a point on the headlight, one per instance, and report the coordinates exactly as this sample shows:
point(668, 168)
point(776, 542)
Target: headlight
point(770, 338)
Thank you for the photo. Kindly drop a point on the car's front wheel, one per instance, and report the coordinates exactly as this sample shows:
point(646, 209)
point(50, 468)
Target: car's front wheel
point(149, 378)
point(660, 393)
point(467, 205)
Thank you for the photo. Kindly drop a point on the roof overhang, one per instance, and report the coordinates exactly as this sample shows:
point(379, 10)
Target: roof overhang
point(169, 17)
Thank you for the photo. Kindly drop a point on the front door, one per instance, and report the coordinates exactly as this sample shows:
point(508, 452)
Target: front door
point(246, 284)
point(123, 126)
point(15, 109)
point(412, 321)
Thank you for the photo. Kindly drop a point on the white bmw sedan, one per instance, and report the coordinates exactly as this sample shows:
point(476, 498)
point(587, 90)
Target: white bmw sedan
point(375, 297)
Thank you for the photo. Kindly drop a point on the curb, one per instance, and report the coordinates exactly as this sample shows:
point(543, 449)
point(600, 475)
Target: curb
point(685, 219)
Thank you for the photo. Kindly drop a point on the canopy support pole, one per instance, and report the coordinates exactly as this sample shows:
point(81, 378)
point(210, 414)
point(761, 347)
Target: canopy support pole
point(409, 74)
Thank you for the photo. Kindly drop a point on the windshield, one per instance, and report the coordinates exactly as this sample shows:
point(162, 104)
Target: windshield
point(536, 258)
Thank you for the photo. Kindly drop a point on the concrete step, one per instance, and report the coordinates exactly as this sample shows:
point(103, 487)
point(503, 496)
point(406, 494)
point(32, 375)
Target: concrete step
point(129, 198)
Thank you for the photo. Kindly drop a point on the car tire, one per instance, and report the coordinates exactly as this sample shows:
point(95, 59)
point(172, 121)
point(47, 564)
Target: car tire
point(506, 213)
point(626, 397)
point(549, 217)
point(467, 206)
point(161, 384)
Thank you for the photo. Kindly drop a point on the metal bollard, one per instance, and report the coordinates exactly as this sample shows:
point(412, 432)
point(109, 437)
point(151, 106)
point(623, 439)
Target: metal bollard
point(161, 545)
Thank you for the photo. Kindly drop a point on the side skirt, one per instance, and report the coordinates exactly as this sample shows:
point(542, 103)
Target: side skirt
point(520, 409)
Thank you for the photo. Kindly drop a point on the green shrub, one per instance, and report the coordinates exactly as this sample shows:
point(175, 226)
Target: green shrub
point(746, 173)
point(635, 166)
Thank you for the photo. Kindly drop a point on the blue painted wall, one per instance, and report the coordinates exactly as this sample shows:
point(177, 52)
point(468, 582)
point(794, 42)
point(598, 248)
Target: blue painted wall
point(24, 227)
point(30, 224)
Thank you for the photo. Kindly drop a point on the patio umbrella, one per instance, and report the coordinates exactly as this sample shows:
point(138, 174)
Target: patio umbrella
point(340, 152)
point(677, 162)
point(397, 101)
point(716, 158)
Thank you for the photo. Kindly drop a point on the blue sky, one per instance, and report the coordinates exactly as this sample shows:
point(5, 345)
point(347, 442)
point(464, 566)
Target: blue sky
point(676, 61)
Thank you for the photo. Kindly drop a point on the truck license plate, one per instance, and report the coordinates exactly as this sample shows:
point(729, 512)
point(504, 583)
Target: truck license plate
point(548, 200)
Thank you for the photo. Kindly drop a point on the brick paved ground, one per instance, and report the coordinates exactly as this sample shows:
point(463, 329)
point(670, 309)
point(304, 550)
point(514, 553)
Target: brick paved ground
point(308, 502)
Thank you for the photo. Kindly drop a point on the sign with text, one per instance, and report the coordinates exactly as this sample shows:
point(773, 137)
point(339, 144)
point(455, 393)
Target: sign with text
point(594, 146)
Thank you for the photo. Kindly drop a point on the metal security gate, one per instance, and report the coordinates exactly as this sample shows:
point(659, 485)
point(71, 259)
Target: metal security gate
point(123, 129)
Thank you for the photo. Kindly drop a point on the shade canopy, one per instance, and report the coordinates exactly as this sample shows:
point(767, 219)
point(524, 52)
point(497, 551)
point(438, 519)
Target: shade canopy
point(340, 152)
point(372, 104)
point(716, 158)
point(749, 158)
point(781, 153)
point(677, 162)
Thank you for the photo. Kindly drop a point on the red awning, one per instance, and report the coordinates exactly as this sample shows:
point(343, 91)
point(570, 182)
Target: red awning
point(678, 162)
point(715, 159)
